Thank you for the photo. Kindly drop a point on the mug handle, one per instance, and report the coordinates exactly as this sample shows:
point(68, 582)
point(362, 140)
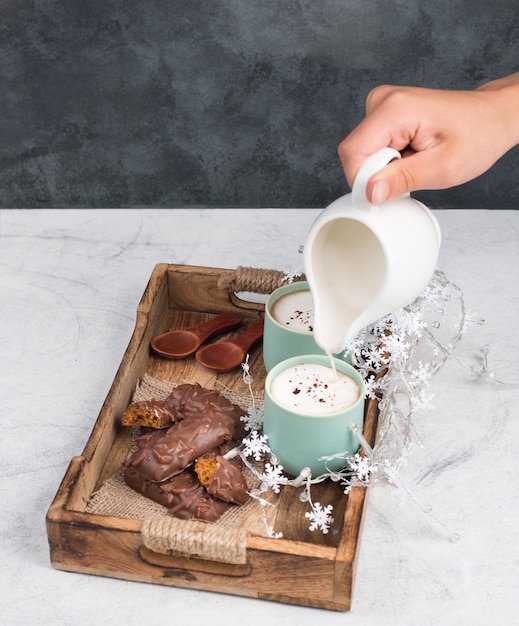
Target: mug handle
point(373, 164)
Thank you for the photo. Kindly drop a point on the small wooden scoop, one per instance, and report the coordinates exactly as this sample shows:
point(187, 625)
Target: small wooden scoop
point(179, 344)
point(224, 356)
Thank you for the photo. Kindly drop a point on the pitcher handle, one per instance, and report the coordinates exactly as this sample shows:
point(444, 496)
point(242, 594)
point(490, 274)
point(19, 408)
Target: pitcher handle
point(373, 164)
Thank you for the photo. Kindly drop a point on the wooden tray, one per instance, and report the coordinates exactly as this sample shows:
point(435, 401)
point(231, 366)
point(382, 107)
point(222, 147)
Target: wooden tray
point(304, 567)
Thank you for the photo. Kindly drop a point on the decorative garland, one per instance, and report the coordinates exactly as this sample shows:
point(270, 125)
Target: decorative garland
point(397, 357)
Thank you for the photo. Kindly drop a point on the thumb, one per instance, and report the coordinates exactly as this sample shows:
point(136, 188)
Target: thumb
point(397, 178)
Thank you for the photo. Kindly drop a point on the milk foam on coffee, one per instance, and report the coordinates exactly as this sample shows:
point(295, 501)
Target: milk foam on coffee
point(314, 389)
point(295, 310)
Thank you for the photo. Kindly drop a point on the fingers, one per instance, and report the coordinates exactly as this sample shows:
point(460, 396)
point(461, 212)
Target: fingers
point(366, 139)
point(445, 137)
point(395, 179)
point(398, 117)
point(377, 95)
point(388, 122)
point(429, 169)
point(398, 177)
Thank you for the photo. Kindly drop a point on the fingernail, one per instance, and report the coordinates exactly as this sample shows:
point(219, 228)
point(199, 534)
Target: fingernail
point(380, 192)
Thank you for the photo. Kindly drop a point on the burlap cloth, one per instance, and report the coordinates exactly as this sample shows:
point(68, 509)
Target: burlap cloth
point(223, 540)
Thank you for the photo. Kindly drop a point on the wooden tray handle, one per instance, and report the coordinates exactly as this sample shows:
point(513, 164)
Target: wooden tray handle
point(254, 280)
point(195, 539)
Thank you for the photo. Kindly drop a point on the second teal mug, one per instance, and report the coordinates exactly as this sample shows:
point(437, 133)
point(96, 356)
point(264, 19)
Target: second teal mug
point(282, 341)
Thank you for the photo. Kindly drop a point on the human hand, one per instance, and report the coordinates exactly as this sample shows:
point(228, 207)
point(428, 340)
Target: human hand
point(446, 137)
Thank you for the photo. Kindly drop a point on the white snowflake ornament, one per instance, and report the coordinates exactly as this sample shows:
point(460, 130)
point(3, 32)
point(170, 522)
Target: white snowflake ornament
point(272, 477)
point(255, 445)
point(320, 518)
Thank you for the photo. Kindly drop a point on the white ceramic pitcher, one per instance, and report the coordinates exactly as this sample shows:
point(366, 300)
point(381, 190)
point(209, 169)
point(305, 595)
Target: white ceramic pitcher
point(364, 261)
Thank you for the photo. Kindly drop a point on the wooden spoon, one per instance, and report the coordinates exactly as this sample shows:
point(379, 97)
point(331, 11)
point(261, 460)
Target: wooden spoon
point(178, 344)
point(224, 356)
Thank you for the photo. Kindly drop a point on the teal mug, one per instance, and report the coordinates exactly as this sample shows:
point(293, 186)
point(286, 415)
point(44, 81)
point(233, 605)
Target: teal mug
point(302, 430)
point(288, 324)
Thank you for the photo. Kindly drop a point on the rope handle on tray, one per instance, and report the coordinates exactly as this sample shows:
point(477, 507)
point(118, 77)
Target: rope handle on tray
point(254, 280)
point(192, 538)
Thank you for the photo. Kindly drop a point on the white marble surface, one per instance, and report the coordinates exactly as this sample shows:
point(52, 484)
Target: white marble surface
point(70, 285)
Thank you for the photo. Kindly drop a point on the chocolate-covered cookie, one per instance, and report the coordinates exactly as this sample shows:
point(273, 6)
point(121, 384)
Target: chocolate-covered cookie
point(222, 478)
point(192, 398)
point(182, 495)
point(170, 451)
point(151, 414)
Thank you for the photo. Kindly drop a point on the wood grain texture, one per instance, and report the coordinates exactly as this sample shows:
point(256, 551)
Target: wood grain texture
point(311, 568)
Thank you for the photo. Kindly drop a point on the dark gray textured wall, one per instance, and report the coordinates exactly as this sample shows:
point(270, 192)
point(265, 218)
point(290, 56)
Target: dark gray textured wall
point(164, 103)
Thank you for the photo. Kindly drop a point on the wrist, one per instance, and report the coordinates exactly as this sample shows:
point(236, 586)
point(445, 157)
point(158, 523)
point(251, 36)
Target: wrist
point(504, 96)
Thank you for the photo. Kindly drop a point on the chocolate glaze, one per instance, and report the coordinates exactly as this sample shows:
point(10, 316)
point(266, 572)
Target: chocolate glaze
point(222, 478)
point(224, 449)
point(189, 397)
point(183, 400)
point(239, 426)
point(191, 423)
point(183, 495)
point(168, 452)
point(193, 398)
